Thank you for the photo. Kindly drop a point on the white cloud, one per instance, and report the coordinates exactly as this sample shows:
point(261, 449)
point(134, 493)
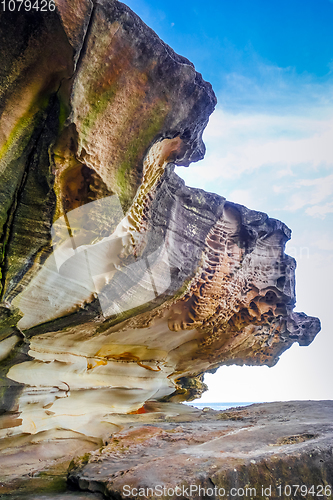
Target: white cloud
point(324, 242)
point(297, 201)
point(258, 85)
point(239, 144)
point(287, 172)
point(322, 187)
point(290, 147)
point(242, 196)
point(320, 210)
point(285, 381)
point(312, 192)
point(269, 118)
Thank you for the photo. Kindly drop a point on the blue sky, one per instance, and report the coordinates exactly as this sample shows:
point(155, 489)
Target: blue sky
point(269, 147)
point(222, 36)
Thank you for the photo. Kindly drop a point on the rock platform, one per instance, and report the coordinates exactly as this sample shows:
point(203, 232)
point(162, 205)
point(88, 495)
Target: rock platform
point(256, 451)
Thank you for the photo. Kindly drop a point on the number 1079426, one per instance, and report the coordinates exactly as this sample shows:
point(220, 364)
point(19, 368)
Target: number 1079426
point(27, 5)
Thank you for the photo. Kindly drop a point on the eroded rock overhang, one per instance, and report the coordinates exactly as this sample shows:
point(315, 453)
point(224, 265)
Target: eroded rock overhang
point(120, 284)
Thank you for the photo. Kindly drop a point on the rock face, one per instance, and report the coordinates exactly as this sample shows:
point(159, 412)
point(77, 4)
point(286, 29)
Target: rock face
point(119, 284)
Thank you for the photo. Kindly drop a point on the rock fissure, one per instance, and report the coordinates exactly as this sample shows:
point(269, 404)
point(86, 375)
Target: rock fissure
point(4, 241)
point(81, 50)
point(8, 226)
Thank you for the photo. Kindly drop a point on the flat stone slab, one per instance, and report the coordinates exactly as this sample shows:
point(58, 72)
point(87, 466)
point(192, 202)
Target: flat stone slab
point(271, 450)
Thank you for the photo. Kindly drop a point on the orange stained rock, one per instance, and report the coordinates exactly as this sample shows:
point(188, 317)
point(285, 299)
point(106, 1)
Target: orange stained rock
point(139, 411)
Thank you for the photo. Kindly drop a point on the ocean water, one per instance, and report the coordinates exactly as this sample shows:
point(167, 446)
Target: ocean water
point(220, 406)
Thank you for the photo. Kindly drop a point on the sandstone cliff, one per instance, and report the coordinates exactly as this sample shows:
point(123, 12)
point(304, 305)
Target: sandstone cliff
point(119, 284)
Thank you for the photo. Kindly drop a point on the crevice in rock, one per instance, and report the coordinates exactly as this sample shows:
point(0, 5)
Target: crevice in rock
point(17, 201)
point(8, 227)
point(83, 48)
point(5, 237)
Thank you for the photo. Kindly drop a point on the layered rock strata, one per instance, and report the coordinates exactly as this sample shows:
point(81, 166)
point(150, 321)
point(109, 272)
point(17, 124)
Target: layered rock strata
point(119, 284)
